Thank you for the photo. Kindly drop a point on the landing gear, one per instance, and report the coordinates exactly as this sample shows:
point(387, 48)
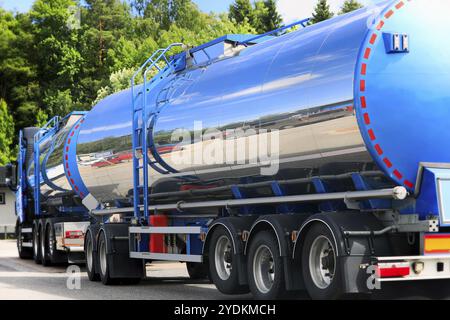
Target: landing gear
point(197, 271)
point(222, 266)
point(320, 267)
point(265, 267)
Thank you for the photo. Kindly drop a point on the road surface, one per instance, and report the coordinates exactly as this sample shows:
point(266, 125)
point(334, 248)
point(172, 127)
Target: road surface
point(23, 279)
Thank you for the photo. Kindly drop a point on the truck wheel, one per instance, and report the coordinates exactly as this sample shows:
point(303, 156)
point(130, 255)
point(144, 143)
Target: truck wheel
point(320, 267)
point(45, 246)
point(90, 258)
point(222, 266)
point(103, 261)
point(36, 244)
point(197, 271)
point(24, 253)
point(265, 267)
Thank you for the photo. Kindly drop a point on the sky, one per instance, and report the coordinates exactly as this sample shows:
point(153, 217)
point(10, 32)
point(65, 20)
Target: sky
point(291, 10)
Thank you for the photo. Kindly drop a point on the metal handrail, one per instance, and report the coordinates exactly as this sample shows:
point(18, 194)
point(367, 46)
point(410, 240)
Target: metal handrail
point(148, 65)
point(289, 26)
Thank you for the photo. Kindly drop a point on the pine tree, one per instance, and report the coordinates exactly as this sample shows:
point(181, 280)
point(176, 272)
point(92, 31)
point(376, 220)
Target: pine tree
point(349, 6)
point(322, 12)
point(267, 16)
point(242, 10)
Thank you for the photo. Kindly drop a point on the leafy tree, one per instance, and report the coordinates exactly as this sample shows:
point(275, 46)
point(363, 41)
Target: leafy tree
point(6, 134)
point(118, 81)
point(349, 6)
point(41, 118)
point(58, 103)
point(322, 12)
point(18, 76)
point(242, 10)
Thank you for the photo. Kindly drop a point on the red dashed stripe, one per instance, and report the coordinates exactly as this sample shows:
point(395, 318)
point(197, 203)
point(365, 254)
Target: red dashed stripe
point(389, 14)
point(398, 174)
point(362, 87)
point(378, 149)
point(69, 140)
point(388, 162)
point(363, 102)
point(371, 135)
point(380, 25)
point(409, 184)
point(363, 69)
point(399, 5)
point(367, 53)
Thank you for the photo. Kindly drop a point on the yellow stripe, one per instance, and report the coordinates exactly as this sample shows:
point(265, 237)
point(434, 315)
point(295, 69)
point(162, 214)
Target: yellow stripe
point(437, 244)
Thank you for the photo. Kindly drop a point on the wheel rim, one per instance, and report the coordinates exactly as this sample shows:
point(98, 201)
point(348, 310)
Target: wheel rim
point(50, 241)
point(223, 257)
point(102, 250)
point(263, 268)
point(89, 251)
point(322, 262)
point(43, 242)
point(19, 240)
point(36, 243)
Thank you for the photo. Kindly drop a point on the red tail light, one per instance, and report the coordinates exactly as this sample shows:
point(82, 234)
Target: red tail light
point(393, 270)
point(77, 234)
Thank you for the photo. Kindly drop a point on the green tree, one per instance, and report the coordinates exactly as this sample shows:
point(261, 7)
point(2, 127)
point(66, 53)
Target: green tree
point(322, 12)
point(58, 102)
point(349, 6)
point(242, 10)
point(267, 16)
point(41, 118)
point(18, 75)
point(6, 134)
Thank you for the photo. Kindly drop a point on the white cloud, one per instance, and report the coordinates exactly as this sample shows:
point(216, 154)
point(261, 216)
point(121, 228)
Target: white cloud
point(293, 10)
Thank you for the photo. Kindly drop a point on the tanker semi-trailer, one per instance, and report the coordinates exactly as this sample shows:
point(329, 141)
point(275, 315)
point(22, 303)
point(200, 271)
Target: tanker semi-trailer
point(51, 220)
point(353, 192)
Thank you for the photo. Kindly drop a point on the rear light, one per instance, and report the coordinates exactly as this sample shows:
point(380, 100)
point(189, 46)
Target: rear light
point(393, 270)
point(436, 243)
point(77, 234)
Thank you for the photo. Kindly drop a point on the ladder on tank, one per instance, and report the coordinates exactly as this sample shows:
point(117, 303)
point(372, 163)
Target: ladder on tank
point(140, 115)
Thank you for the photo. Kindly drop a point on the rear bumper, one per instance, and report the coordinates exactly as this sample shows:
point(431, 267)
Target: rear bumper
point(430, 267)
point(70, 244)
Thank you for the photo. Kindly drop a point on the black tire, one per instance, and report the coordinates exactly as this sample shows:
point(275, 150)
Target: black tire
point(103, 260)
point(264, 262)
point(317, 289)
point(36, 243)
point(91, 258)
point(24, 253)
point(197, 271)
point(230, 284)
point(45, 245)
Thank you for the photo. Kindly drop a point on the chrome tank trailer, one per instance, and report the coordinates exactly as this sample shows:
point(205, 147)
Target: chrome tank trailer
point(370, 87)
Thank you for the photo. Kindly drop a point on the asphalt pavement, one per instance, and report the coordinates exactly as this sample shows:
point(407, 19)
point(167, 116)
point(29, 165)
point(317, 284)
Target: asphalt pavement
point(23, 279)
